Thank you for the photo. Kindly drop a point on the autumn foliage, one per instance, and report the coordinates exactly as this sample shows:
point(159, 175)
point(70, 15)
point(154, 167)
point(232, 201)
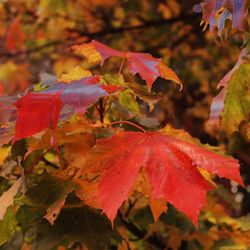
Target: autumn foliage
point(90, 156)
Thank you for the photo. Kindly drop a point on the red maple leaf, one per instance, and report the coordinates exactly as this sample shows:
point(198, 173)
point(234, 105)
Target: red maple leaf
point(170, 164)
point(148, 67)
point(36, 112)
point(39, 111)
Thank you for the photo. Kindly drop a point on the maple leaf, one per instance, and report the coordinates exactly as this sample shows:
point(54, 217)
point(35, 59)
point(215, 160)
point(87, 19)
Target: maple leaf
point(216, 12)
point(76, 74)
point(36, 112)
point(170, 164)
point(78, 94)
point(54, 210)
point(237, 100)
point(217, 105)
point(39, 111)
point(148, 67)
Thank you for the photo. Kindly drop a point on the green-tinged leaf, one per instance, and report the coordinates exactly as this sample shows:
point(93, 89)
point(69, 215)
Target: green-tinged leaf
point(8, 226)
point(142, 92)
point(117, 79)
point(76, 225)
point(128, 100)
point(237, 102)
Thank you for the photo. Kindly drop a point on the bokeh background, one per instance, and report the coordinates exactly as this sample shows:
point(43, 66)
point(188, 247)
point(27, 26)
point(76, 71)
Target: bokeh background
point(35, 36)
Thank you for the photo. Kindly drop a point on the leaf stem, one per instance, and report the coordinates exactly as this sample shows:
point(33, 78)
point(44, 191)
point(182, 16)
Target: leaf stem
point(130, 123)
point(122, 64)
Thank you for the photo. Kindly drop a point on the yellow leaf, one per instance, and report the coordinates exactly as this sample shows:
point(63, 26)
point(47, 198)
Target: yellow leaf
point(76, 74)
point(89, 51)
point(4, 151)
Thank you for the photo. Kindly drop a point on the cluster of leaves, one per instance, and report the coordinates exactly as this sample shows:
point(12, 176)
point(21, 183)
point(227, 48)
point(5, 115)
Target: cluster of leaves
point(79, 144)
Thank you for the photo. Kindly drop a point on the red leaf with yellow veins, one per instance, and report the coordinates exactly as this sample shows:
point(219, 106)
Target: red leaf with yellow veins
point(169, 163)
point(148, 67)
point(36, 112)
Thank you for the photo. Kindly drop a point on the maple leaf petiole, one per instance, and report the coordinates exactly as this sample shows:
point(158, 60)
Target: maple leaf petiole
point(121, 66)
point(130, 123)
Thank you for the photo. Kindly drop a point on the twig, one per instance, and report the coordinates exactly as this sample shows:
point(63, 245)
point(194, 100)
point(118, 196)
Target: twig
point(130, 123)
point(146, 24)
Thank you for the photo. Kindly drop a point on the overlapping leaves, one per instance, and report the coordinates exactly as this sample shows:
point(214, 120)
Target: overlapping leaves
point(231, 106)
point(217, 12)
point(103, 174)
point(170, 164)
point(148, 67)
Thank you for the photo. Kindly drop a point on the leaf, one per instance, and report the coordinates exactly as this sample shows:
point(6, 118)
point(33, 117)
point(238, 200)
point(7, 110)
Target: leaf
point(14, 77)
point(216, 12)
point(148, 67)
point(4, 152)
point(8, 226)
point(36, 112)
point(237, 100)
point(157, 206)
point(76, 74)
point(54, 210)
point(49, 193)
point(78, 95)
point(75, 225)
point(128, 100)
point(217, 105)
point(170, 165)
point(7, 198)
point(240, 13)
point(15, 37)
point(39, 111)
point(96, 51)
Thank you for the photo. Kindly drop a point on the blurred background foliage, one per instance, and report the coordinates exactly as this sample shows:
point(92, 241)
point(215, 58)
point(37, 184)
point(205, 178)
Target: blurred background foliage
point(35, 36)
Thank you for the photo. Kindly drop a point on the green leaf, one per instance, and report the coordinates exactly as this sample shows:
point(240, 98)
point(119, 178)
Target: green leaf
point(128, 100)
point(237, 101)
point(117, 79)
point(8, 226)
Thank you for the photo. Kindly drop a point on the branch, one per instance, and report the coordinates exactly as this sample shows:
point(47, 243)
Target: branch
point(145, 25)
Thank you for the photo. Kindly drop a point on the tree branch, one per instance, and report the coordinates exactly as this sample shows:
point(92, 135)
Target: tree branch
point(146, 24)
